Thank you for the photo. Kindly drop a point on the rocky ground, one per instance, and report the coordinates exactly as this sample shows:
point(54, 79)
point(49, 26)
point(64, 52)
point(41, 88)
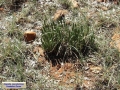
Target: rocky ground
point(98, 71)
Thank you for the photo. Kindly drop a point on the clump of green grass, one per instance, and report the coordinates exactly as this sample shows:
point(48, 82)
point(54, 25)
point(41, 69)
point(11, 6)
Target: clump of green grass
point(12, 56)
point(13, 31)
point(63, 41)
point(15, 34)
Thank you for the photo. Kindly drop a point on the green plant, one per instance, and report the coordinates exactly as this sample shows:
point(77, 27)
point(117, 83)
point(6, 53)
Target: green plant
point(16, 34)
point(13, 31)
point(12, 56)
point(1, 2)
point(64, 41)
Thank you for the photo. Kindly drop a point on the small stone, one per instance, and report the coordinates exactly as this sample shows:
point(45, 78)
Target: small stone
point(75, 3)
point(101, 0)
point(72, 80)
point(29, 36)
point(1, 9)
point(95, 69)
point(104, 8)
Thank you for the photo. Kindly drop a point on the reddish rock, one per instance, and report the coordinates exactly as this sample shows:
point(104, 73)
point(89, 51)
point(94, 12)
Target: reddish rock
point(1, 9)
point(29, 36)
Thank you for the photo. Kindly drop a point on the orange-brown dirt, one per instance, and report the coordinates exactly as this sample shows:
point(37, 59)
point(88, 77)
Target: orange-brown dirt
point(66, 72)
point(116, 39)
